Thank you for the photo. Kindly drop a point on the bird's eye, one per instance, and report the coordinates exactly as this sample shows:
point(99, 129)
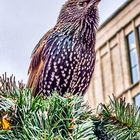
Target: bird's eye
point(82, 3)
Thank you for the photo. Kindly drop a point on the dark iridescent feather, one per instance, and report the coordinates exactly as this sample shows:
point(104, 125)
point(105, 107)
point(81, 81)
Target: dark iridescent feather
point(64, 58)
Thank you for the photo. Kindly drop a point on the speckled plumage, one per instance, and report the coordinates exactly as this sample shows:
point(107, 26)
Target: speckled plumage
point(64, 58)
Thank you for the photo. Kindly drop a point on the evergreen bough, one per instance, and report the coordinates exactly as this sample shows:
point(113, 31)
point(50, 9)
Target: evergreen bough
point(24, 117)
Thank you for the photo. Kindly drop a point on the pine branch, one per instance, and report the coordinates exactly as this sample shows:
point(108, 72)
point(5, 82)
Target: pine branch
point(54, 117)
point(24, 117)
point(9, 84)
point(119, 120)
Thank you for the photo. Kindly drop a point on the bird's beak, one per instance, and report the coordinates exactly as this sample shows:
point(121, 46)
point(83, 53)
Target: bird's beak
point(96, 3)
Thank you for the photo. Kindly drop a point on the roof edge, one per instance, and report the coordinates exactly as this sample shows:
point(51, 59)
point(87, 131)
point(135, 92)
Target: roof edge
point(114, 14)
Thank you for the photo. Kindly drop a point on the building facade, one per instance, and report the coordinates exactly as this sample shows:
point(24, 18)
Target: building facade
point(117, 68)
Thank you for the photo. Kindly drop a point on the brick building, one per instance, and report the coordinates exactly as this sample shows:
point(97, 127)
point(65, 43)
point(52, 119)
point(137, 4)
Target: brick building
point(118, 57)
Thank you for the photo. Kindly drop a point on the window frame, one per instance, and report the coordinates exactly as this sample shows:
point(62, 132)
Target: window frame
point(134, 98)
point(129, 50)
point(138, 34)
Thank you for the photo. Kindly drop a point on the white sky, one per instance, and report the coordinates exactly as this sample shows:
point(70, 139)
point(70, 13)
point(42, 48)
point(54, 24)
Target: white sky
point(22, 24)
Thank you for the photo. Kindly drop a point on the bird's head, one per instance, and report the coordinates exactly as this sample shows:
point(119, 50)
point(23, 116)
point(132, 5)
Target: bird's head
point(78, 10)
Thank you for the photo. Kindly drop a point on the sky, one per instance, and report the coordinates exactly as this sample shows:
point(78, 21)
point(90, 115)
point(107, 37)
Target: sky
point(23, 23)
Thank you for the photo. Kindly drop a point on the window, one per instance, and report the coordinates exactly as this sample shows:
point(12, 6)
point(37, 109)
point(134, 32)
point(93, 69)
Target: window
point(137, 100)
point(133, 58)
point(139, 33)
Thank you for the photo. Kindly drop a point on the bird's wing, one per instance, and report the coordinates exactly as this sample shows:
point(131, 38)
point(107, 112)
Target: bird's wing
point(36, 64)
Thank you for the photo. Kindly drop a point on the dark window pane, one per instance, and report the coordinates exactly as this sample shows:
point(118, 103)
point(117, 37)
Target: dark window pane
point(131, 41)
point(139, 33)
point(137, 100)
point(133, 58)
point(135, 74)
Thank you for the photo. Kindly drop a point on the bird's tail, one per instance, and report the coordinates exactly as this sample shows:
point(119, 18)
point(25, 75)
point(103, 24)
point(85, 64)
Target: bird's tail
point(34, 78)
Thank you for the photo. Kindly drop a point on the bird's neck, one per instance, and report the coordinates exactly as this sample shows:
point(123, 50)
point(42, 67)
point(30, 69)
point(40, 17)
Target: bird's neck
point(83, 31)
point(86, 31)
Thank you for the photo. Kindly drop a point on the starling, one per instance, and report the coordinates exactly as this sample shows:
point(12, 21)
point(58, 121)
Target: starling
point(64, 58)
